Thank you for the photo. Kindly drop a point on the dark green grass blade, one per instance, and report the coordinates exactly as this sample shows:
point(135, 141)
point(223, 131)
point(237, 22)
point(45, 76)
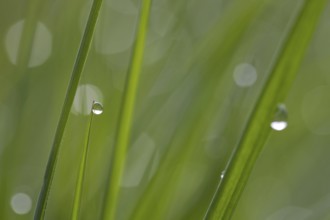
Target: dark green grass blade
point(126, 114)
point(82, 171)
point(75, 76)
point(258, 128)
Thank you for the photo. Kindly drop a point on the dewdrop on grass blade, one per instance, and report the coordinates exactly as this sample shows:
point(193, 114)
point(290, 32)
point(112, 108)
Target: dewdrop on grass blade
point(97, 108)
point(222, 175)
point(280, 121)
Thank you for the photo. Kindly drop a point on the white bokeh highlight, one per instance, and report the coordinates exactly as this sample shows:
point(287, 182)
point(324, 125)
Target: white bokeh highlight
point(245, 75)
point(41, 45)
point(21, 203)
point(85, 96)
point(141, 156)
point(115, 32)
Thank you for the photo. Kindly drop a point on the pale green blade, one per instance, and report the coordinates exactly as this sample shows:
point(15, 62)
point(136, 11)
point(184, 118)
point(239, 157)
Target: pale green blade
point(82, 170)
point(126, 114)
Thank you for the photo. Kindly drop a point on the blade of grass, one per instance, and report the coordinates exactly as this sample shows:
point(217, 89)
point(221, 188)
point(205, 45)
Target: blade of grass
point(73, 84)
point(257, 129)
point(81, 175)
point(126, 114)
point(226, 39)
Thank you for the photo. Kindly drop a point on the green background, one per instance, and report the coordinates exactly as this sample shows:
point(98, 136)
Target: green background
point(181, 86)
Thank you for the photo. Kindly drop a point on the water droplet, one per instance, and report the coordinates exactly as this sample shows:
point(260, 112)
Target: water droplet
point(279, 125)
point(222, 175)
point(84, 98)
point(280, 121)
point(97, 108)
point(21, 203)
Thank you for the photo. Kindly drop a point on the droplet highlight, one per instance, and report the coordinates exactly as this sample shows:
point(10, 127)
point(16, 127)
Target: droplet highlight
point(97, 108)
point(280, 121)
point(222, 175)
point(83, 100)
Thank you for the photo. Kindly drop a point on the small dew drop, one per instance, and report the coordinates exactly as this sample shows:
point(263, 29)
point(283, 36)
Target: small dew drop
point(222, 174)
point(85, 96)
point(97, 108)
point(280, 120)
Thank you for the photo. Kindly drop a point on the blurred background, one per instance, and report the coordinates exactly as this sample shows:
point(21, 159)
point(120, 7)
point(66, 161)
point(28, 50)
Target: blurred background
point(204, 67)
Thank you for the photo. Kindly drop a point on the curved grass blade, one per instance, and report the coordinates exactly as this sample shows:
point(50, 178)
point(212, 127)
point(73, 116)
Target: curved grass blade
point(126, 114)
point(82, 168)
point(282, 74)
point(75, 76)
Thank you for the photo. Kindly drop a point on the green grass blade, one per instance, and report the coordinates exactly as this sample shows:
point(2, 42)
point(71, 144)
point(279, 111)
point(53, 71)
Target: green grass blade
point(225, 38)
point(81, 175)
point(257, 130)
point(126, 114)
point(73, 84)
